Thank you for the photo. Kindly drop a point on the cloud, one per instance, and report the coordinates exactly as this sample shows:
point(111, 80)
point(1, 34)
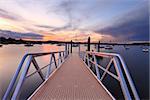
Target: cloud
point(75, 13)
point(66, 8)
point(17, 35)
point(52, 28)
point(44, 26)
point(61, 28)
point(9, 15)
point(133, 26)
point(62, 16)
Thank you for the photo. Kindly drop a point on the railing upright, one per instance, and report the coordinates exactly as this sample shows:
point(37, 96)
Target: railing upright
point(49, 68)
point(79, 48)
point(66, 50)
point(21, 79)
point(129, 78)
point(88, 59)
point(54, 60)
point(12, 82)
point(122, 80)
point(96, 67)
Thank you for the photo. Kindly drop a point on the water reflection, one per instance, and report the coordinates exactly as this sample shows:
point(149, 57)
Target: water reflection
point(11, 55)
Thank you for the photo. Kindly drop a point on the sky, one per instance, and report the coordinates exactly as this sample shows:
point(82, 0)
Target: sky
point(65, 20)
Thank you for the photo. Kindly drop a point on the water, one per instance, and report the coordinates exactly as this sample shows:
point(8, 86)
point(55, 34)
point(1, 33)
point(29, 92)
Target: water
point(10, 56)
point(137, 62)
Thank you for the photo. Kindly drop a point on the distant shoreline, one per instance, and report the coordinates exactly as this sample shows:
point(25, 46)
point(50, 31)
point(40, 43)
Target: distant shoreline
point(14, 41)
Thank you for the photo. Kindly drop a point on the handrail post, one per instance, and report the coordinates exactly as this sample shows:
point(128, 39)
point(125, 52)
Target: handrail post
point(21, 79)
point(49, 68)
point(96, 67)
point(98, 47)
point(68, 49)
point(12, 82)
point(71, 47)
point(121, 78)
point(66, 52)
point(88, 49)
point(61, 60)
point(79, 47)
point(84, 55)
point(63, 56)
point(54, 60)
point(129, 79)
point(88, 60)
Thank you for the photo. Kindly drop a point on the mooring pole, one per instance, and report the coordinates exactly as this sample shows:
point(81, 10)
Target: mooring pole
point(68, 48)
point(98, 47)
point(88, 49)
point(79, 47)
point(71, 47)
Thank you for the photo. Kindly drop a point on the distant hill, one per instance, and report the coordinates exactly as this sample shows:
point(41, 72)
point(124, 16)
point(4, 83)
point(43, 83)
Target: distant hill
point(19, 35)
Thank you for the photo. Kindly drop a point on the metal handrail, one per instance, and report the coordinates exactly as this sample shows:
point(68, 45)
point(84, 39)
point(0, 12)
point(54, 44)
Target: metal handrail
point(30, 57)
point(120, 67)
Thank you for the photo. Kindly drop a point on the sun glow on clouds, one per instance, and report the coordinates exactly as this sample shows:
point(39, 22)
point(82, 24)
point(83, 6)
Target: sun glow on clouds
point(64, 20)
point(73, 35)
point(8, 25)
point(54, 21)
point(3, 22)
point(63, 35)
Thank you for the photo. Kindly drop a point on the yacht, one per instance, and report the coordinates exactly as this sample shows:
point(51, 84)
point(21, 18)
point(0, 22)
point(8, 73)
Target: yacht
point(108, 47)
point(28, 45)
point(145, 49)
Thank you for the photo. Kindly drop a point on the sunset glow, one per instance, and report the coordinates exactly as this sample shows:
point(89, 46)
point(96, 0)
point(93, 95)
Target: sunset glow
point(65, 20)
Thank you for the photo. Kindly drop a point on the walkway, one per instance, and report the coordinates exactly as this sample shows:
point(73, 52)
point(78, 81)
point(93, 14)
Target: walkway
point(72, 81)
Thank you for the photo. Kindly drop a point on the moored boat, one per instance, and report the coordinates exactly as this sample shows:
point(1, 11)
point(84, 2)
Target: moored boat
point(126, 47)
point(109, 47)
point(28, 45)
point(145, 50)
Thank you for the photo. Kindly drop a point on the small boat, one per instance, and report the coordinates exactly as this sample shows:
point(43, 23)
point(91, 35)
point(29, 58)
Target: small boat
point(108, 47)
point(59, 44)
point(75, 45)
point(101, 47)
point(1, 45)
point(85, 44)
point(145, 50)
point(28, 45)
point(126, 47)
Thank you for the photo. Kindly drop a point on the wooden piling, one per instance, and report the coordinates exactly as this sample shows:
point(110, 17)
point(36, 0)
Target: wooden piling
point(68, 49)
point(71, 47)
point(66, 52)
point(88, 49)
point(98, 47)
point(79, 47)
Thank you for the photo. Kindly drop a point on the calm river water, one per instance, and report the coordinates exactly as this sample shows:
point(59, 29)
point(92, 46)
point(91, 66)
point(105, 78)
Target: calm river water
point(11, 55)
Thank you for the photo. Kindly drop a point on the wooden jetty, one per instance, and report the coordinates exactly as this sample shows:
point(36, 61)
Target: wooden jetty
point(72, 78)
point(72, 81)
